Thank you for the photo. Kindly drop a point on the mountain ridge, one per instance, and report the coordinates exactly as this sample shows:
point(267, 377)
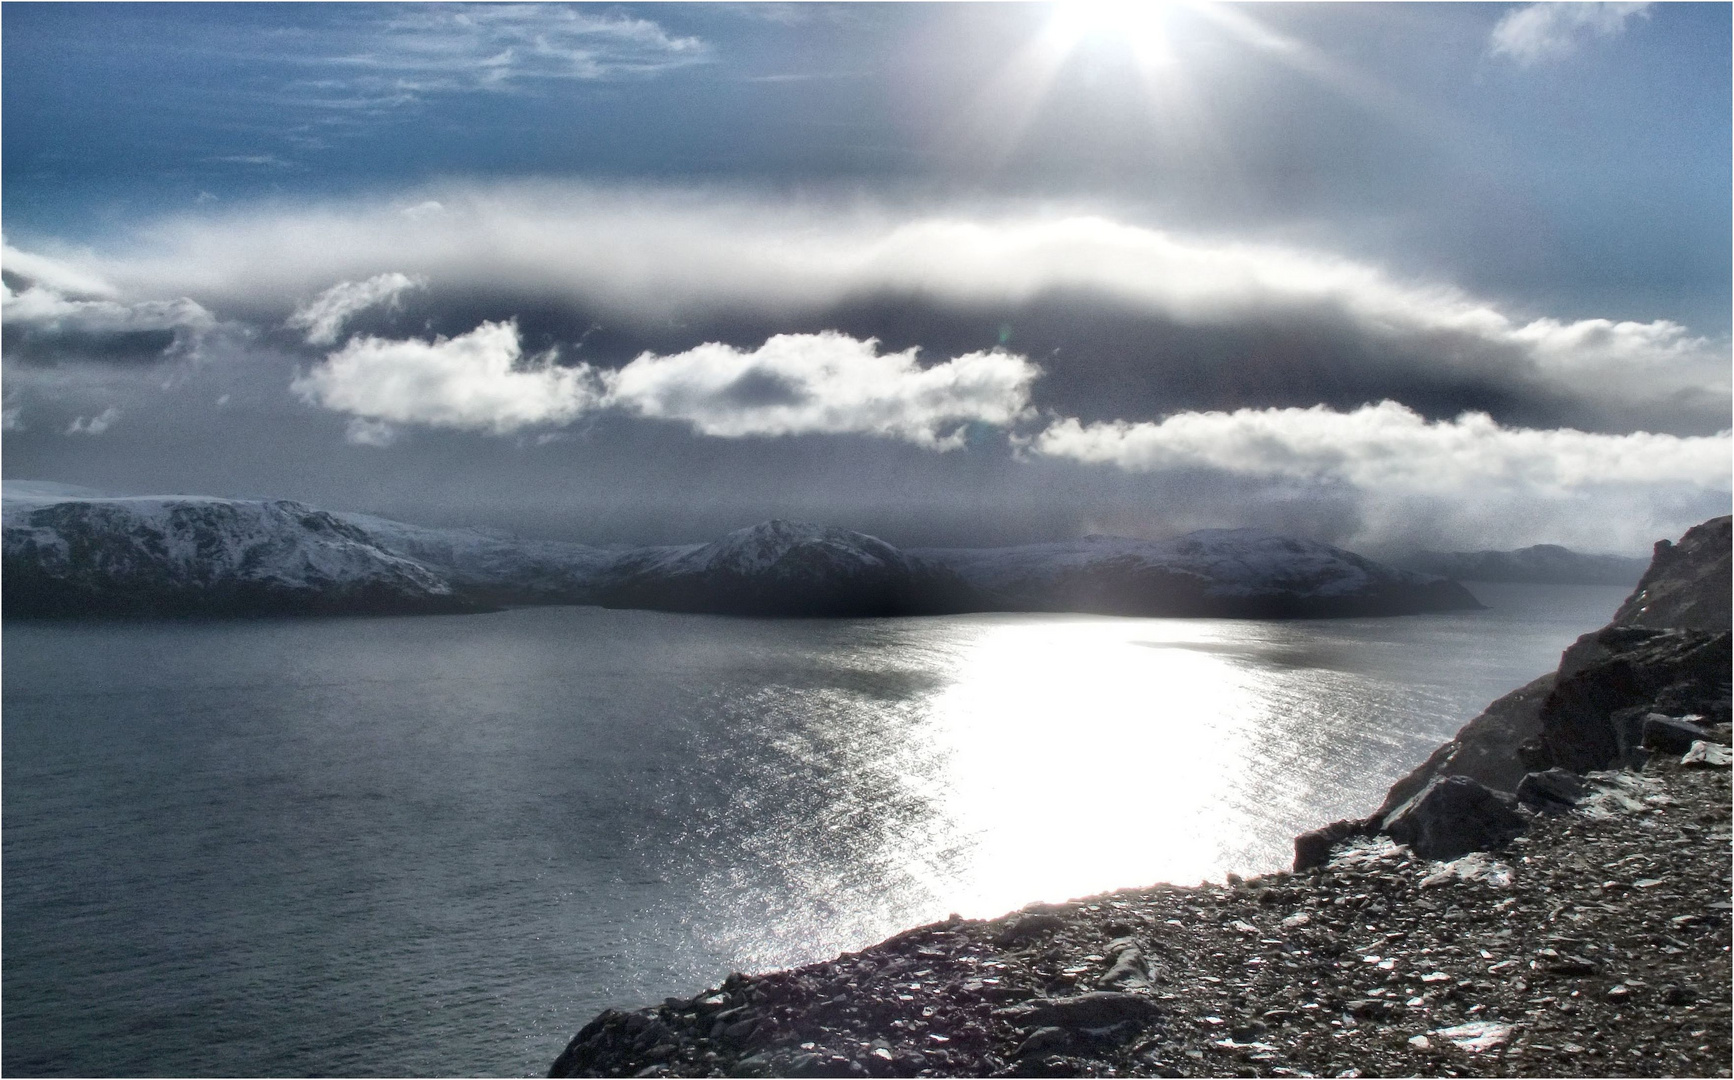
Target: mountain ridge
point(73, 551)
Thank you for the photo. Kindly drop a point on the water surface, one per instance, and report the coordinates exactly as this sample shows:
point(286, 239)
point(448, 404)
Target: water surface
point(438, 845)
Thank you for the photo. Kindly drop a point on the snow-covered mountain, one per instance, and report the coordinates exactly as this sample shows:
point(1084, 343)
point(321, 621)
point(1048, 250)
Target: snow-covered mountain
point(71, 552)
point(1543, 564)
point(495, 567)
point(787, 568)
point(1230, 573)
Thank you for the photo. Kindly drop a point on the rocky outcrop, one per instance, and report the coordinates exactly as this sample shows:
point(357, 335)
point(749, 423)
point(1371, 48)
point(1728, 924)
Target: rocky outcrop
point(1486, 749)
point(1594, 718)
point(1687, 584)
point(1659, 654)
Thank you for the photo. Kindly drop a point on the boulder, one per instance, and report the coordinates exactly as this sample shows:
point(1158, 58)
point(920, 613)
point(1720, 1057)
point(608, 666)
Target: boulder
point(1707, 754)
point(1670, 735)
point(1098, 1009)
point(1452, 816)
point(1314, 848)
point(1552, 792)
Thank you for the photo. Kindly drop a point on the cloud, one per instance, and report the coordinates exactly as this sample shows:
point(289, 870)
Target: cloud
point(53, 312)
point(1409, 473)
point(364, 432)
point(1551, 31)
point(94, 425)
point(56, 275)
point(478, 381)
point(826, 383)
point(323, 316)
point(441, 49)
point(794, 384)
point(652, 260)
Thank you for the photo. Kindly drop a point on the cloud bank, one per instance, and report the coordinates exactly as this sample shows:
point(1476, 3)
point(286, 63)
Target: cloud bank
point(1162, 390)
point(794, 384)
point(1409, 477)
point(658, 260)
point(1536, 33)
point(53, 311)
point(1390, 447)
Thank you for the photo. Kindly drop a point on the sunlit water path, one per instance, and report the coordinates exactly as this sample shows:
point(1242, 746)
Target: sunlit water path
point(438, 845)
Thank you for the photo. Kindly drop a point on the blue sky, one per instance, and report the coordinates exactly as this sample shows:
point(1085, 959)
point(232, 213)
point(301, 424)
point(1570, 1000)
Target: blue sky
point(1148, 220)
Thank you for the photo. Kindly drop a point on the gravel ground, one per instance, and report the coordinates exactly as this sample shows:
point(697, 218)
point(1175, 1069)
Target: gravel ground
point(1596, 944)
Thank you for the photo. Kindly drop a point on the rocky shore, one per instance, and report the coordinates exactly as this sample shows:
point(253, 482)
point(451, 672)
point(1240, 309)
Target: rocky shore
point(1547, 895)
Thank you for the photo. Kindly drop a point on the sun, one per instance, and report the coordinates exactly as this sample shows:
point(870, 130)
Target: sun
point(1139, 26)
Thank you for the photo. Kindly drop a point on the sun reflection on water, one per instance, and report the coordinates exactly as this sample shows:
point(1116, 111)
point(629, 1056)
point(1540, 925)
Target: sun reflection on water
point(1081, 759)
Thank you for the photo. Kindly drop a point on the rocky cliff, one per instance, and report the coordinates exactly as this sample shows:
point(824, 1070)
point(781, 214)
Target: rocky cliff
point(1666, 652)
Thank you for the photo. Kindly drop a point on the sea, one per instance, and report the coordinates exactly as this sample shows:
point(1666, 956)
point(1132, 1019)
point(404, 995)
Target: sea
point(440, 845)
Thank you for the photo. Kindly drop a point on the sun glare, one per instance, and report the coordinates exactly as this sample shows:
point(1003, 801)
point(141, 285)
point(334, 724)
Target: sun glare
point(1142, 27)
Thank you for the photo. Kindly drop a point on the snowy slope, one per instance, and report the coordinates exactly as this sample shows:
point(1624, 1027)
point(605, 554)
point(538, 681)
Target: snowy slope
point(787, 568)
point(495, 567)
point(80, 555)
point(72, 551)
point(1218, 572)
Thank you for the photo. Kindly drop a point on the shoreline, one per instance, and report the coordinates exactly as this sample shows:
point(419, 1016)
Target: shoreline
point(1378, 963)
point(1576, 927)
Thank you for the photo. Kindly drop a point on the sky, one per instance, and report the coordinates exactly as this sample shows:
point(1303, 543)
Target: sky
point(1441, 275)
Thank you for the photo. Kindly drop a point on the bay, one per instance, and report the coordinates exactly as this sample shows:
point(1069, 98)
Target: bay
point(438, 845)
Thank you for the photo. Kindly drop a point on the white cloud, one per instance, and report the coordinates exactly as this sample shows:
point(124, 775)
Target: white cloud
point(476, 381)
point(364, 432)
point(1484, 479)
point(643, 257)
point(794, 384)
point(59, 297)
point(57, 275)
point(826, 383)
point(468, 47)
point(323, 316)
point(1550, 31)
point(94, 425)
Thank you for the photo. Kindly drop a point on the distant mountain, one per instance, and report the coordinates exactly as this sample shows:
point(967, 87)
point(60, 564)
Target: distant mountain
point(786, 568)
point(75, 555)
point(1227, 573)
point(69, 551)
point(1543, 564)
point(497, 568)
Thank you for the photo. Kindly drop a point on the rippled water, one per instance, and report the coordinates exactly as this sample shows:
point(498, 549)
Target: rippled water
point(439, 845)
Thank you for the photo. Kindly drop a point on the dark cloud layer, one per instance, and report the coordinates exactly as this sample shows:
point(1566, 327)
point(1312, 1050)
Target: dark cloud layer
point(1104, 360)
